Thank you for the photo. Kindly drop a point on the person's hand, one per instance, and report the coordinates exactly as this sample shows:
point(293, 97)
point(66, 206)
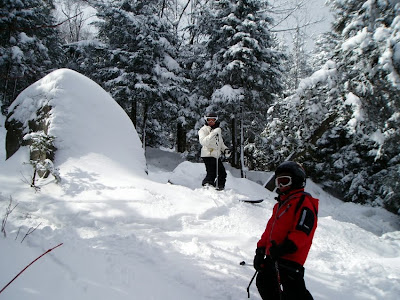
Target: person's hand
point(258, 261)
point(274, 251)
point(216, 131)
point(227, 153)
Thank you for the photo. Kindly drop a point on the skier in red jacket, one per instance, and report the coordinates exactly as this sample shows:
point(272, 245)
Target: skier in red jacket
point(283, 248)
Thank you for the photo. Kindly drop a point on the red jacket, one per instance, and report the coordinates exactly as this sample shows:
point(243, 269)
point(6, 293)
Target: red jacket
point(293, 220)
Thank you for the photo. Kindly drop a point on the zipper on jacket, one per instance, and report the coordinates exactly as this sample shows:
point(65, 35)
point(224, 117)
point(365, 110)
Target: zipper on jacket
point(280, 215)
point(287, 208)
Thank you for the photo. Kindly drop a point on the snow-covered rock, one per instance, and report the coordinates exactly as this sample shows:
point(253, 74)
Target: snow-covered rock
point(81, 119)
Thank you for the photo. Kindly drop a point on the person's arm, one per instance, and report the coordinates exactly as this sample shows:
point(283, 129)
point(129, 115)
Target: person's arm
point(223, 147)
point(286, 247)
point(208, 138)
point(305, 224)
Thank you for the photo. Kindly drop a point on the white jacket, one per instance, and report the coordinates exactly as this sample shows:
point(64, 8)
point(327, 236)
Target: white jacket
point(208, 139)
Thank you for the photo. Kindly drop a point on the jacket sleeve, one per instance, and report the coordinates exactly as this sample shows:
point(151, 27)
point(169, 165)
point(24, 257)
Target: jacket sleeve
point(305, 224)
point(223, 146)
point(204, 136)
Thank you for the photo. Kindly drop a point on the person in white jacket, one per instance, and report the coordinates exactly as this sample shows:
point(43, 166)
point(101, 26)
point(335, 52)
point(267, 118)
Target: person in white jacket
point(210, 138)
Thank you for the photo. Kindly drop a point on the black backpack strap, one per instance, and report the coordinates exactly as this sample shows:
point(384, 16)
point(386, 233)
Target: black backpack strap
point(300, 203)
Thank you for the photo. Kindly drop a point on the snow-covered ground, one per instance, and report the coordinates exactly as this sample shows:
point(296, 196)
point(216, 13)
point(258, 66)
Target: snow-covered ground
point(128, 235)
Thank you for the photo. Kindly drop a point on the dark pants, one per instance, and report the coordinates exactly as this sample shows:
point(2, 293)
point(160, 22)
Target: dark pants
point(292, 280)
point(211, 169)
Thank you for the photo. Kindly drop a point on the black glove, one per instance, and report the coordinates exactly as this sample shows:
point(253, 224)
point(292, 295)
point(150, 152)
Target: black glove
point(258, 262)
point(275, 251)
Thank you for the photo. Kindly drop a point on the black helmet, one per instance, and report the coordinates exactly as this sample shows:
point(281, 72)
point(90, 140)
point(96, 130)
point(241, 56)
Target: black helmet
point(295, 170)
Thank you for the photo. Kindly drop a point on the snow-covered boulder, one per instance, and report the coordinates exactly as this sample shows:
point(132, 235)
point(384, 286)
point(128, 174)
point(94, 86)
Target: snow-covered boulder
point(65, 116)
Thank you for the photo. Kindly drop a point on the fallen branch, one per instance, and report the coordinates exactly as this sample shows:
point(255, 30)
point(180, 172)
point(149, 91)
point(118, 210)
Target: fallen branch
point(30, 231)
point(9, 210)
point(28, 267)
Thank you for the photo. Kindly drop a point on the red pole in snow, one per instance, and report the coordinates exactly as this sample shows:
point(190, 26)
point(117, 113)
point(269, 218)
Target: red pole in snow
point(28, 267)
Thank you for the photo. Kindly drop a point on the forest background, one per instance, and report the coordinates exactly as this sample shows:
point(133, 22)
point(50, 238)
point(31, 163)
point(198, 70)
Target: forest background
point(335, 108)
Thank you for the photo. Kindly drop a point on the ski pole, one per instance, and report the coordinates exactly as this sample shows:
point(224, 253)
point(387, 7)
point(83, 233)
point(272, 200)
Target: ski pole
point(243, 263)
point(217, 159)
point(28, 267)
point(278, 277)
point(251, 281)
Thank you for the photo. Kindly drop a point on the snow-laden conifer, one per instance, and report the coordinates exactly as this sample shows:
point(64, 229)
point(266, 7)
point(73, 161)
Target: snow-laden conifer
point(29, 45)
point(343, 121)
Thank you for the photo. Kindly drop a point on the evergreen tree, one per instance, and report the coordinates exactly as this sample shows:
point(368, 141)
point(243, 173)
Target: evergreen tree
point(324, 49)
point(241, 71)
point(29, 45)
point(370, 84)
point(140, 67)
point(343, 121)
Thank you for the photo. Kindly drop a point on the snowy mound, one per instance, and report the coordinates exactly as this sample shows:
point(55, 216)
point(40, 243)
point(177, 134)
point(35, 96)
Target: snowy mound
point(188, 174)
point(85, 122)
point(191, 175)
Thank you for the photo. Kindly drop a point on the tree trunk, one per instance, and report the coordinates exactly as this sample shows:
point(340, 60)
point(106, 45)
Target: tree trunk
point(181, 137)
point(234, 143)
point(242, 166)
point(133, 112)
point(145, 112)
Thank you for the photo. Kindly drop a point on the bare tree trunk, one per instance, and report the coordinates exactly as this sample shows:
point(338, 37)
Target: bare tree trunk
point(145, 117)
point(181, 137)
point(242, 166)
point(164, 5)
point(234, 143)
point(133, 114)
point(6, 99)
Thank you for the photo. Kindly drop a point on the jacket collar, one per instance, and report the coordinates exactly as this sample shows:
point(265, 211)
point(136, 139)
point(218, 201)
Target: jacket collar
point(282, 198)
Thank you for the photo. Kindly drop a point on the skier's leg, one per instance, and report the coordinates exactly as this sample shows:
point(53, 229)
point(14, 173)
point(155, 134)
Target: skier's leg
point(210, 169)
point(267, 283)
point(221, 175)
point(294, 287)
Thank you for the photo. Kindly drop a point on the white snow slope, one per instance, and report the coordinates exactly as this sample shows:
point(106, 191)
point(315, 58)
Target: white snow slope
point(128, 235)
